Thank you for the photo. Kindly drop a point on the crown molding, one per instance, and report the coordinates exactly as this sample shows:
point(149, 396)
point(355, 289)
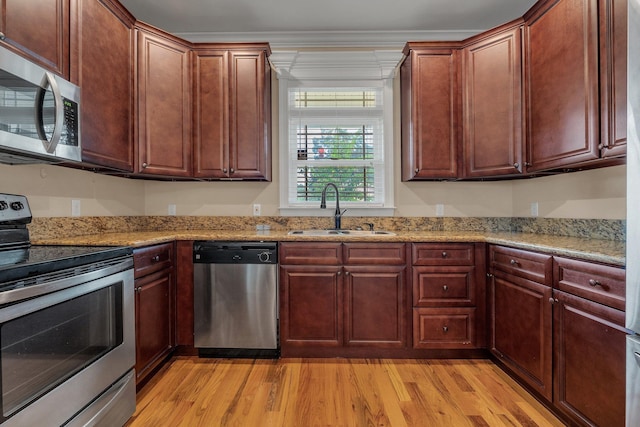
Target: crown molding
point(328, 39)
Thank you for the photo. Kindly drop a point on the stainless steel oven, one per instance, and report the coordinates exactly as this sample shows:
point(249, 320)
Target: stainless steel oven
point(39, 113)
point(67, 337)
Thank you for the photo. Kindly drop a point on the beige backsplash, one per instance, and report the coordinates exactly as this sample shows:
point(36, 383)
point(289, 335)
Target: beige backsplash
point(51, 227)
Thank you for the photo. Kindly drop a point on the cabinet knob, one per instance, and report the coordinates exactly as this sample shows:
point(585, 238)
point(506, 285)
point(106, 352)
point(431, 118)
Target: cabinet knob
point(444, 254)
point(445, 288)
point(417, 170)
point(346, 273)
point(144, 165)
point(489, 275)
point(550, 300)
point(445, 329)
point(594, 283)
point(516, 165)
point(231, 170)
point(156, 258)
point(513, 262)
point(224, 170)
point(2, 36)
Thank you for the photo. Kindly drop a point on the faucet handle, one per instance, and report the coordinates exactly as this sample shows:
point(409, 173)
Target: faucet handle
point(370, 225)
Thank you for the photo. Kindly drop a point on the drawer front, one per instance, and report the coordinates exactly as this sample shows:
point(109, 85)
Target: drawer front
point(455, 286)
point(446, 328)
point(310, 253)
point(375, 253)
point(521, 263)
point(604, 284)
point(152, 258)
point(443, 254)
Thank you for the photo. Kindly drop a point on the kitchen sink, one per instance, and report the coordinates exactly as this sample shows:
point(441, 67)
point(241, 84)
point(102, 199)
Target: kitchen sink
point(333, 232)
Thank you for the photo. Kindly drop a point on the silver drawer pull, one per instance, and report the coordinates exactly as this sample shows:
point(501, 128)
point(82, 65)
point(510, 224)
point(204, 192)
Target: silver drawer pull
point(513, 262)
point(445, 288)
point(594, 283)
point(444, 254)
point(445, 329)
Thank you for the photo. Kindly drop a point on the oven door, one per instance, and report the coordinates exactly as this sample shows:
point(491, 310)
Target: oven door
point(61, 351)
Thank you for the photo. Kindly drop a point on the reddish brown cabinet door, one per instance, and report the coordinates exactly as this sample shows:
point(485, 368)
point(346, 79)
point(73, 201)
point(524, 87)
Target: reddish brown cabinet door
point(430, 110)
point(154, 306)
point(561, 45)
point(310, 306)
point(492, 99)
point(154, 329)
point(613, 77)
point(39, 30)
point(232, 107)
point(521, 333)
point(164, 105)
point(375, 310)
point(589, 342)
point(103, 68)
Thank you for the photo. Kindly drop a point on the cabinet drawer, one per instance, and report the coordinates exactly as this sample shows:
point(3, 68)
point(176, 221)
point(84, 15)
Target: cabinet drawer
point(310, 253)
point(152, 258)
point(452, 287)
point(375, 253)
point(442, 254)
point(450, 328)
point(604, 284)
point(525, 264)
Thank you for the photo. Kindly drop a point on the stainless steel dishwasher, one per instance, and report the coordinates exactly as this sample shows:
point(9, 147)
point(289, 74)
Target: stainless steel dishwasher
point(236, 298)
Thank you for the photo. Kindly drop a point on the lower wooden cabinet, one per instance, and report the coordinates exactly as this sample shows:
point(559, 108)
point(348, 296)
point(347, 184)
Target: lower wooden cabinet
point(155, 307)
point(331, 303)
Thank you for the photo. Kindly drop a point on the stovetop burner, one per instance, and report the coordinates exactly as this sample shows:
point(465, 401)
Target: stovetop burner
point(20, 260)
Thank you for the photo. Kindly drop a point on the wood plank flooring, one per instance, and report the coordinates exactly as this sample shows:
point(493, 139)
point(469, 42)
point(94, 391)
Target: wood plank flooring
point(190, 391)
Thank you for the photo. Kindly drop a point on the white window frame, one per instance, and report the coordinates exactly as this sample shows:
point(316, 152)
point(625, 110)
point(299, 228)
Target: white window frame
point(336, 69)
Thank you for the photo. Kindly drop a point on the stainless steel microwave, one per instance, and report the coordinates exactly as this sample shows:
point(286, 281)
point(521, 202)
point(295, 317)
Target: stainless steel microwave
point(39, 113)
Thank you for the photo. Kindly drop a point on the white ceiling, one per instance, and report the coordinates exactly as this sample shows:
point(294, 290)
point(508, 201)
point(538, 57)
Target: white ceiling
point(326, 22)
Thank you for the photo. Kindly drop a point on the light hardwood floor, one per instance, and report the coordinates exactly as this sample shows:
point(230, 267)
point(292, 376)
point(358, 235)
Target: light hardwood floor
point(190, 391)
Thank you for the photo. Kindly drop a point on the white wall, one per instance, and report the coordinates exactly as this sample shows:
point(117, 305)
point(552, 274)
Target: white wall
point(598, 193)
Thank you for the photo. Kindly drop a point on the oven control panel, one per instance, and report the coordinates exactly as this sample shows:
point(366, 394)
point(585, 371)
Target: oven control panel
point(14, 209)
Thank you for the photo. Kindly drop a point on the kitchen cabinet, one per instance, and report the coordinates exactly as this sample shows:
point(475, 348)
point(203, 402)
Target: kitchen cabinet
point(430, 110)
point(341, 298)
point(155, 307)
point(232, 108)
point(492, 103)
point(164, 104)
point(564, 62)
point(448, 295)
point(39, 30)
point(613, 77)
point(102, 65)
point(589, 342)
point(521, 315)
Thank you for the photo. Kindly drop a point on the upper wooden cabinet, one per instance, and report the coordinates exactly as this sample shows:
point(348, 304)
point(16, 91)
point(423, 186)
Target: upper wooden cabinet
point(492, 103)
point(563, 81)
point(430, 110)
point(232, 111)
point(39, 30)
point(164, 104)
point(102, 65)
point(613, 77)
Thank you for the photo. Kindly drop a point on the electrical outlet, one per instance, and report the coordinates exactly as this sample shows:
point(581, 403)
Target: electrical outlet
point(439, 209)
point(256, 209)
point(75, 207)
point(171, 210)
point(534, 208)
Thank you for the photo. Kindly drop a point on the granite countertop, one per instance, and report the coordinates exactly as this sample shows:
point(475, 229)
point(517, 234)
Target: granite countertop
point(605, 251)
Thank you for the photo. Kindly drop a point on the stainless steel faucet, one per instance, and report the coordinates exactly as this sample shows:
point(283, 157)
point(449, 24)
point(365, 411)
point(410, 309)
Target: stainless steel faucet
point(337, 216)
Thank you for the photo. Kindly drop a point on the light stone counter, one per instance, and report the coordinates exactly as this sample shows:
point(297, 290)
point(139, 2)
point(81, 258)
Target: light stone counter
point(599, 250)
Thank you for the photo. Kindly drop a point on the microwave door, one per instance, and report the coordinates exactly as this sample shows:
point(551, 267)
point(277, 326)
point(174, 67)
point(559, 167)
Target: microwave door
point(49, 111)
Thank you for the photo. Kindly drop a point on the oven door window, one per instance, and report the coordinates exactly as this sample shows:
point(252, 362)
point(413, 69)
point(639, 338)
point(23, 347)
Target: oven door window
point(43, 348)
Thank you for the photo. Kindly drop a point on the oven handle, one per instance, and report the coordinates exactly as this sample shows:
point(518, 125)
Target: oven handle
point(19, 294)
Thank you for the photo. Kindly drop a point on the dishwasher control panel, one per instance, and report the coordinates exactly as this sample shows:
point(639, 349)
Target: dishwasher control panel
point(214, 252)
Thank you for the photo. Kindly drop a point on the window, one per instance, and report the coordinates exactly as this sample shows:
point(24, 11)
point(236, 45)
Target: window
point(337, 131)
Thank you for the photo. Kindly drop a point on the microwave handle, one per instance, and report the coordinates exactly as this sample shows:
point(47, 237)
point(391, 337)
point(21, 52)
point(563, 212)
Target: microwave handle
point(49, 80)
